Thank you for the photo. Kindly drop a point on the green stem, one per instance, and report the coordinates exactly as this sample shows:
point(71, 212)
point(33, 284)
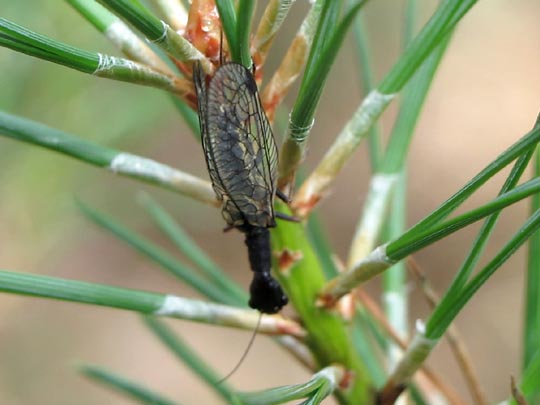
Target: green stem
point(144, 302)
point(519, 148)
point(383, 182)
point(395, 279)
point(367, 80)
point(116, 161)
point(159, 255)
point(320, 386)
point(413, 101)
point(441, 318)
point(326, 44)
point(329, 338)
point(445, 313)
point(175, 13)
point(385, 256)
point(440, 24)
point(531, 332)
point(435, 32)
point(192, 251)
point(157, 31)
point(243, 31)
point(96, 14)
point(78, 291)
point(119, 34)
point(273, 17)
point(395, 300)
point(406, 245)
point(186, 353)
point(484, 234)
point(23, 40)
point(529, 380)
point(124, 386)
point(227, 14)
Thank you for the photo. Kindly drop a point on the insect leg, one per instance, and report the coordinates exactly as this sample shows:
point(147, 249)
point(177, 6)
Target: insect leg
point(281, 195)
point(286, 217)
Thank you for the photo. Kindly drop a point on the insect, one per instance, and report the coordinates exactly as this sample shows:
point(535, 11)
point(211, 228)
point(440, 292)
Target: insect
point(241, 156)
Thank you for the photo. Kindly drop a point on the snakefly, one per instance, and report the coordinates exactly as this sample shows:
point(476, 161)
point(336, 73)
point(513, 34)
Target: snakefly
point(241, 156)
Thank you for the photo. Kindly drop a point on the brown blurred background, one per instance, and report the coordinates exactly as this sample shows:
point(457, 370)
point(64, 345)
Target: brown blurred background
point(485, 96)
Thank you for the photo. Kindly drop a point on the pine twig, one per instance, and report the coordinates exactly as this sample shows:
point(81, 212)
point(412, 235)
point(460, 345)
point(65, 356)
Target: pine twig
point(458, 347)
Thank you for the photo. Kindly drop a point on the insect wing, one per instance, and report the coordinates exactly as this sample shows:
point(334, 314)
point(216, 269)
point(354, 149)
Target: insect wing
point(241, 147)
point(199, 79)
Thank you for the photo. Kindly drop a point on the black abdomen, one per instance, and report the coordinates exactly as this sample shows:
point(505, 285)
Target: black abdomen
point(266, 293)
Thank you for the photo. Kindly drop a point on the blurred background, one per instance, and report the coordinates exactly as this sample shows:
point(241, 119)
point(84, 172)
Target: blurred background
point(485, 96)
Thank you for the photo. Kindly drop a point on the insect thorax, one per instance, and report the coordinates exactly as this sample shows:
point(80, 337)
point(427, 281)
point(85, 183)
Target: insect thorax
point(253, 213)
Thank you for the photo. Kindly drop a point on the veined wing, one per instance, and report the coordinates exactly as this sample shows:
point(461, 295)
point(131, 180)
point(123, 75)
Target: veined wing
point(241, 147)
point(199, 80)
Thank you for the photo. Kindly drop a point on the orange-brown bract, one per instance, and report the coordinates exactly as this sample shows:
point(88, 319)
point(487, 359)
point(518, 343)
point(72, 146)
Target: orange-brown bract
point(241, 156)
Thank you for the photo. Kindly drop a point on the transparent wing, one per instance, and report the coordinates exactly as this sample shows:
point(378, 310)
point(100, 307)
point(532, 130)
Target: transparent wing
point(241, 147)
point(199, 80)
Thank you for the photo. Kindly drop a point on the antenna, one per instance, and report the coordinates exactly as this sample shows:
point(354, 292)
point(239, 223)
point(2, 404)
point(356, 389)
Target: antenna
point(221, 47)
point(244, 355)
